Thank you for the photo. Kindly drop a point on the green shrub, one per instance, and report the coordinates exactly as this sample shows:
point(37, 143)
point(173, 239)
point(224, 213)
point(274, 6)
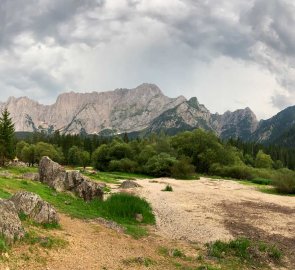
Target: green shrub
point(182, 168)
point(123, 165)
point(237, 172)
point(123, 207)
point(285, 183)
point(262, 181)
point(160, 165)
point(168, 188)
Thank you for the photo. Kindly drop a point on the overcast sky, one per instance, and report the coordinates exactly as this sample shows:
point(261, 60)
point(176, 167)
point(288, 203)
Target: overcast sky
point(230, 54)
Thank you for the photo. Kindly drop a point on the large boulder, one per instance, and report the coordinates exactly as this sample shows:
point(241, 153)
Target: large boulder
point(88, 190)
point(58, 178)
point(34, 207)
point(10, 224)
point(129, 184)
point(52, 174)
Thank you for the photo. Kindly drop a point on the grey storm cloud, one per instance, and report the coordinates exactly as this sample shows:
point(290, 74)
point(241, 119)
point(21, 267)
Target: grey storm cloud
point(255, 31)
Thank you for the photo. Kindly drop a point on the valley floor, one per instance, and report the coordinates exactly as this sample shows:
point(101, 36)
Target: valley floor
point(195, 213)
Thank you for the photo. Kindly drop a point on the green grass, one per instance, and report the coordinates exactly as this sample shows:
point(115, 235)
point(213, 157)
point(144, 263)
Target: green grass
point(244, 251)
point(119, 207)
point(3, 245)
point(123, 207)
point(49, 242)
point(18, 171)
point(114, 177)
point(168, 188)
point(4, 194)
point(274, 191)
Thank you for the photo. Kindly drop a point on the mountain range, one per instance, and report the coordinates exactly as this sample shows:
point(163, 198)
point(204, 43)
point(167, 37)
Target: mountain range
point(143, 110)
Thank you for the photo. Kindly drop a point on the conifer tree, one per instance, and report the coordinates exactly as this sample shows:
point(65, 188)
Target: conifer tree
point(6, 137)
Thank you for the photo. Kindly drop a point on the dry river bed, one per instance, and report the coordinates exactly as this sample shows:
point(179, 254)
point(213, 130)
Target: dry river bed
point(207, 210)
point(195, 212)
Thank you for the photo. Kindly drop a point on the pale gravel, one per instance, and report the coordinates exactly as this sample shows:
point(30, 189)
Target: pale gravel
point(195, 210)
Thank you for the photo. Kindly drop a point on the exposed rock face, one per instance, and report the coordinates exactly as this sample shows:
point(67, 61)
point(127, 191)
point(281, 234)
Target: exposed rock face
point(129, 184)
point(52, 174)
point(237, 124)
point(10, 224)
point(58, 178)
point(122, 110)
point(34, 207)
point(191, 114)
point(279, 129)
point(142, 109)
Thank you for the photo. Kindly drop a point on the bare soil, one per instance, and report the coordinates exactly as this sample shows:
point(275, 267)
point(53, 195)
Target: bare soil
point(196, 212)
point(207, 210)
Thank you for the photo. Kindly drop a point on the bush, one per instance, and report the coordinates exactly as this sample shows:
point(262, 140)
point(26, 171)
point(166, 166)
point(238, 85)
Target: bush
point(123, 207)
point(123, 165)
point(285, 183)
point(182, 169)
point(237, 172)
point(160, 165)
point(168, 188)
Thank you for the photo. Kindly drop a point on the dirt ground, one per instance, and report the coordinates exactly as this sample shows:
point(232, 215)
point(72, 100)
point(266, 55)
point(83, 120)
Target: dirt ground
point(208, 210)
point(195, 212)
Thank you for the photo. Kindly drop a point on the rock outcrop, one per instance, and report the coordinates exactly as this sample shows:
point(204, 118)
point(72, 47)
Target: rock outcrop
point(34, 207)
point(144, 109)
point(129, 184)
point(10, 224)
point(54, 175)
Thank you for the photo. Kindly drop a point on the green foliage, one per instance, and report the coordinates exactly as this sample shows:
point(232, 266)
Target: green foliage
point(182, 168)
point(160, 165)
point(285, 183)
point(236, 172)
point(124, 207)
point(7, 150)
point(168, 188)
point(123, 165)
point(263, 160)
point(28, 154)
point(3, 245)
point(77, 156)
point(101, 158)
point(245, 250)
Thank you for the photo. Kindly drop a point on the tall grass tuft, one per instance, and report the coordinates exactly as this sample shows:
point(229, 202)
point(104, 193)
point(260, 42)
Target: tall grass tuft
point(123, 207)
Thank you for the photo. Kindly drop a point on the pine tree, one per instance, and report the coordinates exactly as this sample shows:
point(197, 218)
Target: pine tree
point(6, 137)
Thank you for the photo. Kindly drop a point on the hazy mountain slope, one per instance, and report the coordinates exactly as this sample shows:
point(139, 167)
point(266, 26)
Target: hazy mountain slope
point(271, 130)
point(122, 110)
point(144, 109)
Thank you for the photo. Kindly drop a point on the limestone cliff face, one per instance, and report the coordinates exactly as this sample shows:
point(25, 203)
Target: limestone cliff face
point(122, 110)
point(143, 109)
point(238, 124)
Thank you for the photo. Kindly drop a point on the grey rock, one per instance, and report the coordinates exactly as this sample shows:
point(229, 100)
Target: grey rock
point(139, 217)
point(34, 207)
point(10, 224)
point(31, 176)
point(58, 178)
point(121, 110)
point(89, 190)
point(129, 184)
point(52, 174)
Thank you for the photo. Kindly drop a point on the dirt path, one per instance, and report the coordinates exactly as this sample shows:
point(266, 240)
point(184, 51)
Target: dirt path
point(207, 210)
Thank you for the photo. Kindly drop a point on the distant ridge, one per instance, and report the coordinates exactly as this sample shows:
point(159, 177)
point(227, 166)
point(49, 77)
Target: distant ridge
point(141, 110)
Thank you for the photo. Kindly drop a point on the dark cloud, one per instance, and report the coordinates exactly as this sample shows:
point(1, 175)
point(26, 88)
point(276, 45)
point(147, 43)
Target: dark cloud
point(156, 35)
